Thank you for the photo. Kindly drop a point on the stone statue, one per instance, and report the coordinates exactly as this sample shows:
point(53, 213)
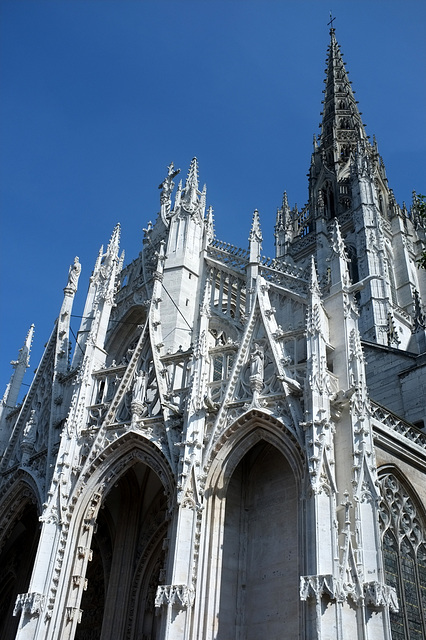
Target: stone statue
point(167, 186)
point(139, 387)
point(30, 429)
point(73, 275)
point(257, 359)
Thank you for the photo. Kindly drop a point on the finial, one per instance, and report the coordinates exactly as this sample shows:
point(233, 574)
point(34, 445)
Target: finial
point(331, 23)
point(285, 201)
point(192, 179)
point(256, 233)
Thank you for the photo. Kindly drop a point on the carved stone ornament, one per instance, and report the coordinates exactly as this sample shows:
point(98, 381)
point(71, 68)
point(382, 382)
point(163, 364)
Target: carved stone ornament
point(32, 603)
point(179, 595)
point(74, 613)
point(379, 595)
point(376, 594)
point(317, 586)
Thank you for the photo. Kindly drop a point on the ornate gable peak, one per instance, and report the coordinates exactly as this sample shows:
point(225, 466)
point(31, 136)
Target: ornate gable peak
point(259, 364)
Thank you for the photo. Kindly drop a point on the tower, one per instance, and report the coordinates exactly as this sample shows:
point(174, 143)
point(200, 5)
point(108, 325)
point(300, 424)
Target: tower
point(237, 446)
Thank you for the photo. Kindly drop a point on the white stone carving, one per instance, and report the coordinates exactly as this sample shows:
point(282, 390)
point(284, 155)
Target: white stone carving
point(32, 603)
point(179, 595)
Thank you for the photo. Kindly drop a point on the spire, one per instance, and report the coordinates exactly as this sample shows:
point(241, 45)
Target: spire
point(341, 126)
point(20, 366)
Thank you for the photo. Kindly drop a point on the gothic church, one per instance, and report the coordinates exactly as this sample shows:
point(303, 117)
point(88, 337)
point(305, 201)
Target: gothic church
point(237, 447)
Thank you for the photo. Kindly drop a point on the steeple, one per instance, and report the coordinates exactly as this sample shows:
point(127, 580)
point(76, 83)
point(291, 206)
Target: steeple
point(341, 126)
point(342, 139)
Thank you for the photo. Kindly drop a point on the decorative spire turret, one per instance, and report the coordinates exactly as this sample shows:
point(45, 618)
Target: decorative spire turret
point(283, 228)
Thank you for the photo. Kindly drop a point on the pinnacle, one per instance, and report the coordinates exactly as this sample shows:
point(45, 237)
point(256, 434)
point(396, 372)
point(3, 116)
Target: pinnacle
point(29, 338)
point(255, 227)
point(314, 277)
point(192, 179)
point(191, 186)
point(285, 201)
point(114, 242)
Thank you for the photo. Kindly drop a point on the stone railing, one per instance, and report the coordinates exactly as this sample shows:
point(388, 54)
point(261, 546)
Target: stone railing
point(391, 421)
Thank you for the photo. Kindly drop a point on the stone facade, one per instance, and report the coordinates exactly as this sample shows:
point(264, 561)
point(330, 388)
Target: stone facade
point(237, 447)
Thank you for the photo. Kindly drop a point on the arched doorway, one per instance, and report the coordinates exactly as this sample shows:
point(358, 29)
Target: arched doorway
point(16, 564)
point(260, 565)
point(128, 557)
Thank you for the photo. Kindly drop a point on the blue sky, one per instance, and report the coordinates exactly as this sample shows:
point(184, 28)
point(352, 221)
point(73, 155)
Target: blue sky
point(99, 96)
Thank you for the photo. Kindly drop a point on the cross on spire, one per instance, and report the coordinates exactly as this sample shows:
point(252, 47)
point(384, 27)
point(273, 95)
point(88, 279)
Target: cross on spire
point(331, 21)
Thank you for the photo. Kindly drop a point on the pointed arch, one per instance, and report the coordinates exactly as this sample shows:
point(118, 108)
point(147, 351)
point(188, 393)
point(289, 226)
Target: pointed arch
point(253, 523)
point(125, 332)
point(132, 482)
point(19, 534)
point(403, 526)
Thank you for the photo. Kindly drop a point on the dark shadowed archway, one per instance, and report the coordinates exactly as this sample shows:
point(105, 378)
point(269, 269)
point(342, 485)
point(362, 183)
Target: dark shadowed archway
point(260, 565)
point(16, 563)
point(128, 557)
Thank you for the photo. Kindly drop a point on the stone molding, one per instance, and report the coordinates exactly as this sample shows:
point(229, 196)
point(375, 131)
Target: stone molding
point(32, 603)
point(375, 594)
point(179, 595)
point(317, 586)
